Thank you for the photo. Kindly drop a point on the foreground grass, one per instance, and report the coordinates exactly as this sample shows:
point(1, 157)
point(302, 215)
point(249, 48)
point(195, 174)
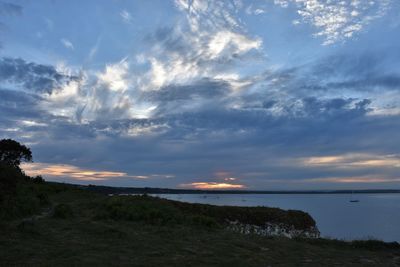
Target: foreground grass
point(80, 235)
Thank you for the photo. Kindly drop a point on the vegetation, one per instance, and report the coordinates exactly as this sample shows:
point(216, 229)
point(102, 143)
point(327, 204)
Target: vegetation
point(155, 190)
point(12, 153)
point(19, 196)
point(86, 228)
point(161, 211)
point(50, 224)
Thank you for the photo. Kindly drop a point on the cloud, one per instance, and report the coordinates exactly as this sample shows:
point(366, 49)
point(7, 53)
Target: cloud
point(62, 170)
point(210, 14)
point(114, 76)
point(337, 20)
point(31, 76)
point(255, 144)
point(10, 9)
point(234, 43)
point(212, 185)
point(80, 174)
point(126, 16)
point(252, 10)
point(178, 64)
point(207, 45)
point(67, 43)
point(194, 102)
point(354, 180)
point(355, 161)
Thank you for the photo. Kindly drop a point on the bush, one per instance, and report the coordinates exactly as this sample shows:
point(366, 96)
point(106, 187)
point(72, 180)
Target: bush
point(18, 195)
point(204, 221)
point(155, 210)
point(138, 208)
point(63, 211)
point(27, 226)
point(375, 244)
point(8, 180)
point(38, 179)
point(43, 198)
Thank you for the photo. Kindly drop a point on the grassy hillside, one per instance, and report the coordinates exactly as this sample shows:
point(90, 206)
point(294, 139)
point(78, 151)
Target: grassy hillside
point(75, 227)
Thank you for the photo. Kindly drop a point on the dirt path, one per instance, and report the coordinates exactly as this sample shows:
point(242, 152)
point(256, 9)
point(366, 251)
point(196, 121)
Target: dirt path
point(45, 213)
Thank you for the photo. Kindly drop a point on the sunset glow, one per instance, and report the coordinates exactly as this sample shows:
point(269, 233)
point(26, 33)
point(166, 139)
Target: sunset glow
point(212, 185)
point(63, 170)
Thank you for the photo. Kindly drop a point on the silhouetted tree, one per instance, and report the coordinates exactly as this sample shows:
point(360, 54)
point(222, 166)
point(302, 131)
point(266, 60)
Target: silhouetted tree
point(38, 179)
point(12, 153)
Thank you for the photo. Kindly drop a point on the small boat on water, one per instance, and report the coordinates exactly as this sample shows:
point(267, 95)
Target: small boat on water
point(352, 199)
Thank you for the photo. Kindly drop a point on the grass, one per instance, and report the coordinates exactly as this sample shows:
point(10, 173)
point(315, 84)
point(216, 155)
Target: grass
point(89, 229)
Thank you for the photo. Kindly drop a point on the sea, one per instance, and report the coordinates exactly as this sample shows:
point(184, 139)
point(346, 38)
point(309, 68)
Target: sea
point(374, 216)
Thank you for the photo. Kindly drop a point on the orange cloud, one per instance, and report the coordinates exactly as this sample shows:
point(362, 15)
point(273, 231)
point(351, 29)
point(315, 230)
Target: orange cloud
point(65, 170)
point(348, 179)
point(361, 179)
point(355, 161)
point(213, 185)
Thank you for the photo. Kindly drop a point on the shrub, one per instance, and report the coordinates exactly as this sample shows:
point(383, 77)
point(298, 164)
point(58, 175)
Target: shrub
point(38, 179)
point(8, 180)
point(27, 226)
point(204, 221)
point(43, 198)
point(62, 211)
point(137, 208)
point(375, 244)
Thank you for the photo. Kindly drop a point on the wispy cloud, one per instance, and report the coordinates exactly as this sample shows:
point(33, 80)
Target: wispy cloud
point(67, 43)
point(82, 174)
point(355, 161)
point(354, 180)
point(337, 20)
point(74, 172)
point(126, 16)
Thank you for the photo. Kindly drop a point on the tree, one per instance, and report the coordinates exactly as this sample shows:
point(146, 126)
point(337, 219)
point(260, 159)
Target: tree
point(12, 153)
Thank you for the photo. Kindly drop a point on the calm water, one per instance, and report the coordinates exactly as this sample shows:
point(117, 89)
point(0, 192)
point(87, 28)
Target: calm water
point(375, 216)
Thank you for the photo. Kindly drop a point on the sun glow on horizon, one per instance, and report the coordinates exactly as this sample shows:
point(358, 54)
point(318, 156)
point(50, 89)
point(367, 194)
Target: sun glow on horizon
point(213, 185)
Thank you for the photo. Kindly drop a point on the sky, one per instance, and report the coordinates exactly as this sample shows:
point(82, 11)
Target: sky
point(234, 94)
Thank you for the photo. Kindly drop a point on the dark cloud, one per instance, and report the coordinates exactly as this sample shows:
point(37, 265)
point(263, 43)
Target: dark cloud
point(204, 88)
point(359, 71)
point(18, 104)
point(7, 8)
point(344, 74)
point(32, 76)
point(258, 136)
point(244, 142)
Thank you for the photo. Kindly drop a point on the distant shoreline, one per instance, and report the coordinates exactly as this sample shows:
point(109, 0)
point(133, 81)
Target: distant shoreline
point(152, 190)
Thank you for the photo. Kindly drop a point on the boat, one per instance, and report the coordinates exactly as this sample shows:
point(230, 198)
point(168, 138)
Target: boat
point(352, 199)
